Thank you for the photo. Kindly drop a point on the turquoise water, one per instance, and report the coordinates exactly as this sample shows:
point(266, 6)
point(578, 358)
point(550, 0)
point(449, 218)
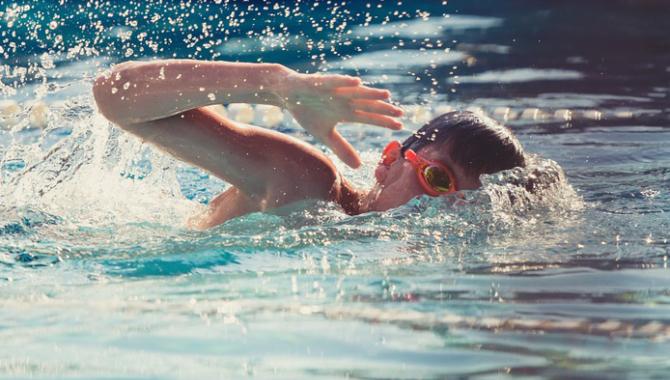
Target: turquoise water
point(100, 279)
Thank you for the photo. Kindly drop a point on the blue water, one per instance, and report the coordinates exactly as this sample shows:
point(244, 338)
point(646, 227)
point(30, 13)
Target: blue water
point(99, 278)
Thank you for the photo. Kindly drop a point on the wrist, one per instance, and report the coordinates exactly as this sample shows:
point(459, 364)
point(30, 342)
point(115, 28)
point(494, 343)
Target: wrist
point(278, 83)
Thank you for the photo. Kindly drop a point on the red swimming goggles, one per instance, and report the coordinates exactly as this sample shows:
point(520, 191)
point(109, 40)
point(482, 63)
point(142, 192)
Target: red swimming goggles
point(435, 177)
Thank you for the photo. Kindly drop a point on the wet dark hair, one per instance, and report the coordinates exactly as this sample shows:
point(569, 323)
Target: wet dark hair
point(478, 144)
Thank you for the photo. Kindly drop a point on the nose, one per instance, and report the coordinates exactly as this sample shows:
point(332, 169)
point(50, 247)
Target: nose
point(381, 172)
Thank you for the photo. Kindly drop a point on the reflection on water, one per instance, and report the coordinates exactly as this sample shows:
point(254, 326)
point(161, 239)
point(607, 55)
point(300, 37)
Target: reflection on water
point(98, 277)
point(426, 27)
point(518, 75)
point(400, 59)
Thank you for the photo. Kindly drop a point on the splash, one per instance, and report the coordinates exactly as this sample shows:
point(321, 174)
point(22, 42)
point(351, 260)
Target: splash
point(85, 171)
point(540, 187)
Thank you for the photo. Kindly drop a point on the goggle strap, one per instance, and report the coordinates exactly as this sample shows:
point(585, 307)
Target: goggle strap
point(411, 156)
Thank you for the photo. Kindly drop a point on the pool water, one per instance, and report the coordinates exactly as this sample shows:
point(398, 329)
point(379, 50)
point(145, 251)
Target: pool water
point(99, 278)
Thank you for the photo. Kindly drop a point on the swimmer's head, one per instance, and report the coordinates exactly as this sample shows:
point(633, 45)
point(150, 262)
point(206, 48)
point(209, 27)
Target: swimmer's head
point(467, 144)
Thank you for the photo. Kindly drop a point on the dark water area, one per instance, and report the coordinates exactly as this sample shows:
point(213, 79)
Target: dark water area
point(621, 47)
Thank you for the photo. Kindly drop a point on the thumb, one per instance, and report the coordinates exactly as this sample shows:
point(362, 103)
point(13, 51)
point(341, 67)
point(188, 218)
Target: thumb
point(342, 149)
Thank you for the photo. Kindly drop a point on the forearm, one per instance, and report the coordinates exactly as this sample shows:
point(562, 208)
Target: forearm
point(136, 92)
point(265, 165)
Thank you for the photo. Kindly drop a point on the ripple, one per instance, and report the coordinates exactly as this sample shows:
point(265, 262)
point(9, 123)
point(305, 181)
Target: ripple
point(431, 27)
point(401, 59)
point(519, 75)
point(252, 46)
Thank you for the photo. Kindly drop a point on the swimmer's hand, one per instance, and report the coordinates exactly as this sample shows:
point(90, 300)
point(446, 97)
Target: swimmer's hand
point(320, 102)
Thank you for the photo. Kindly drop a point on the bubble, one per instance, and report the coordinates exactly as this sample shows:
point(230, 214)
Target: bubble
point(220, 109)
point(624, 114)
point(294, 284)
point(244, 113)
point(9, 110)
point(39, 115)
point(476, 110)
point(271, 115)
point(501, 113)
point(211, 96)
point(418, 114)
point(593, 115)
point(442, 109)
point(530, 114)
point(563, 114)
point(47, 61)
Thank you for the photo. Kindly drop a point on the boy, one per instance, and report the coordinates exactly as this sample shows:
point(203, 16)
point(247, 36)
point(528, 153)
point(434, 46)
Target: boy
point(162, 103)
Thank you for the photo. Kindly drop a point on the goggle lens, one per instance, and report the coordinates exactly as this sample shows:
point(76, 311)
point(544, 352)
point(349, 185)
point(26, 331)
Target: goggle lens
point(437, 178)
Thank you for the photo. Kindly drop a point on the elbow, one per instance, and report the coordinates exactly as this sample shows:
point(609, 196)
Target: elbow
point(102, 94)
point(107, 96)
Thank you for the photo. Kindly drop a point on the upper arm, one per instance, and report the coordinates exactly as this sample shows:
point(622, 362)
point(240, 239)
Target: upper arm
point(266, 165)
point(227, 205)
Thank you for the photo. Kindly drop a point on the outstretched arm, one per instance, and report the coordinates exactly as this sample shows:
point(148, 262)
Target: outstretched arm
point(162, 101)
point(138, 92)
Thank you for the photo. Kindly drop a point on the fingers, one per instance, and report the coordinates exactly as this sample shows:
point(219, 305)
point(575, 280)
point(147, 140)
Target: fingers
point(376, 119)
point(376, 106)
point(362, 92)
point(342, 149)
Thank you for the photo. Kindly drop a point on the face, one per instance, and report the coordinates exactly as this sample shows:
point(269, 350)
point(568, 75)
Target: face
point(398, 182)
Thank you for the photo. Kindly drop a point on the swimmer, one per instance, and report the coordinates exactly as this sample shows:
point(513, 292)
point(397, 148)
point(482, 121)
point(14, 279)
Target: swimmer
point(164, 103)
